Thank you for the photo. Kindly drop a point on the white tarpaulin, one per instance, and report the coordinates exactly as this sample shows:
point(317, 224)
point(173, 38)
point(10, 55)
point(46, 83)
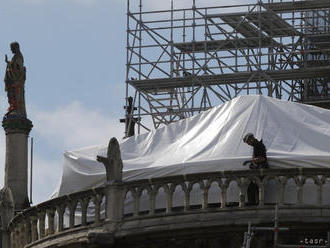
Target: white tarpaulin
point(294, 135)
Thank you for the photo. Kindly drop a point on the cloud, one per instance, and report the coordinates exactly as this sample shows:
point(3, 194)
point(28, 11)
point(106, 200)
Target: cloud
point(69, 126)
point(66, 127)
point(75, 125)
point(46, 177)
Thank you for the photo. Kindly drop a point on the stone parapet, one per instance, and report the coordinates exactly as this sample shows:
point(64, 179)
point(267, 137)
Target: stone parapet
point(104, 210)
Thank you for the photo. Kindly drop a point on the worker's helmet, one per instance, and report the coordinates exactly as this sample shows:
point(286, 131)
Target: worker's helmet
point(247, 137)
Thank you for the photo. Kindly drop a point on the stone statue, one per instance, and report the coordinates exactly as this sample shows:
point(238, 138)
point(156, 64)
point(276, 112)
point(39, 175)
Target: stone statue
point(129, 120)
point(113, 163)
point(14, 81)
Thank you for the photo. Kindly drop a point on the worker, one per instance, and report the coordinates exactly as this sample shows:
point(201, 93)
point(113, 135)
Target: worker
point(259, 157)
point(258, 161)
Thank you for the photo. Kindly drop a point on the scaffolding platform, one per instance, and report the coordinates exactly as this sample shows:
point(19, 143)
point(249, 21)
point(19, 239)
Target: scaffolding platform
point(320, 40)
point(297, 6)
point(252, 24)
point(224, 45)
point(230, 78)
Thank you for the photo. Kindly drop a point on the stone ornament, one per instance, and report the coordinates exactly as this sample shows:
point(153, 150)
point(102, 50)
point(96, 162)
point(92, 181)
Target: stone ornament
point(14, 81)
point(113, 163)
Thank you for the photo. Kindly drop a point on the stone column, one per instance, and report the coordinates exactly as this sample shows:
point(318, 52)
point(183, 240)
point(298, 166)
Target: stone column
point(114, 187)
point(6, 213)
point(114, 202)
point(17, 128)
point(34, 228)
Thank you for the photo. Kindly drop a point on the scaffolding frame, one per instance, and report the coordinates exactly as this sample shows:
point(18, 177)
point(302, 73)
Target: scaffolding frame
point(248, 236)
point(182, 61)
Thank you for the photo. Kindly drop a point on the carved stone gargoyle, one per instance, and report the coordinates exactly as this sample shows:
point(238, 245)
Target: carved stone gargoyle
point(113, 163)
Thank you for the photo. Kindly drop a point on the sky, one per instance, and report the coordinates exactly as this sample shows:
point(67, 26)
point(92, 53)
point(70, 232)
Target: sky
point(74, 52)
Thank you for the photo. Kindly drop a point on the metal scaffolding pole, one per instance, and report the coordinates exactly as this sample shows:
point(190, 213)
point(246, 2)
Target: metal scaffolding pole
point(273, 48)
point(248, 236)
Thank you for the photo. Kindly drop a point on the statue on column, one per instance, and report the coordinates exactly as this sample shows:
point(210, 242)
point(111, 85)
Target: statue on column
point(17, 127)
point(14, 81)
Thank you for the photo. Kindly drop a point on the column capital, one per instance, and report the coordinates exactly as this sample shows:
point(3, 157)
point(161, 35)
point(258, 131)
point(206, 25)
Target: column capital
point(16, 124)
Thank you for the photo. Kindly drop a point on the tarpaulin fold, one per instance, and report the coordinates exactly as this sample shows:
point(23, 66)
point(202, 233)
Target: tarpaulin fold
point(295, 135)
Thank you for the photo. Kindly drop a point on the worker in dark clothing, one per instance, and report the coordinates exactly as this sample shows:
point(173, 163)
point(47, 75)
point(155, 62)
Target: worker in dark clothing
point(258, 161)
point(259, 158)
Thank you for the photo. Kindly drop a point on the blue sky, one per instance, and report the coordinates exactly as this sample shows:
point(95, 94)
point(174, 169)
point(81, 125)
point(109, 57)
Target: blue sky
point(74, 52)
point(75, 57)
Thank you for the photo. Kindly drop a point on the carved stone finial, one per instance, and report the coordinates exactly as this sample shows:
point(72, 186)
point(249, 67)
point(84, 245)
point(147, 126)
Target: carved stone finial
point(113, 163)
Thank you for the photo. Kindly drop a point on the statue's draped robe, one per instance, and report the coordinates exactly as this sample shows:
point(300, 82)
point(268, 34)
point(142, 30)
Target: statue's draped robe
point(14, 84)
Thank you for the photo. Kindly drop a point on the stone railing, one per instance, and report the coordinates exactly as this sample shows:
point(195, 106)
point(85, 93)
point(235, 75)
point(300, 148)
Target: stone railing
point(55, 216)
point(195, 193)
point(228, 189)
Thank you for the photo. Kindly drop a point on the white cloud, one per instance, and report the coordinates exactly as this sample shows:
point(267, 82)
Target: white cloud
point(46, 177)
point(67, 127)
point(75, 125)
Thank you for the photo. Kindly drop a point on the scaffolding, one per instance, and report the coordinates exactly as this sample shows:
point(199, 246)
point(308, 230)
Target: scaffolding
point(181, 61)
point(306, 243)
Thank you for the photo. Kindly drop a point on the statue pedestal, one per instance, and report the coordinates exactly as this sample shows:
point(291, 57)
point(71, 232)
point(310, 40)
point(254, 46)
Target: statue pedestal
point(17, 128)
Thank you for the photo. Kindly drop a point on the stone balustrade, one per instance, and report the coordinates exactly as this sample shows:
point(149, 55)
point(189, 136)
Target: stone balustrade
point(56, 215)
point(194, 193)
